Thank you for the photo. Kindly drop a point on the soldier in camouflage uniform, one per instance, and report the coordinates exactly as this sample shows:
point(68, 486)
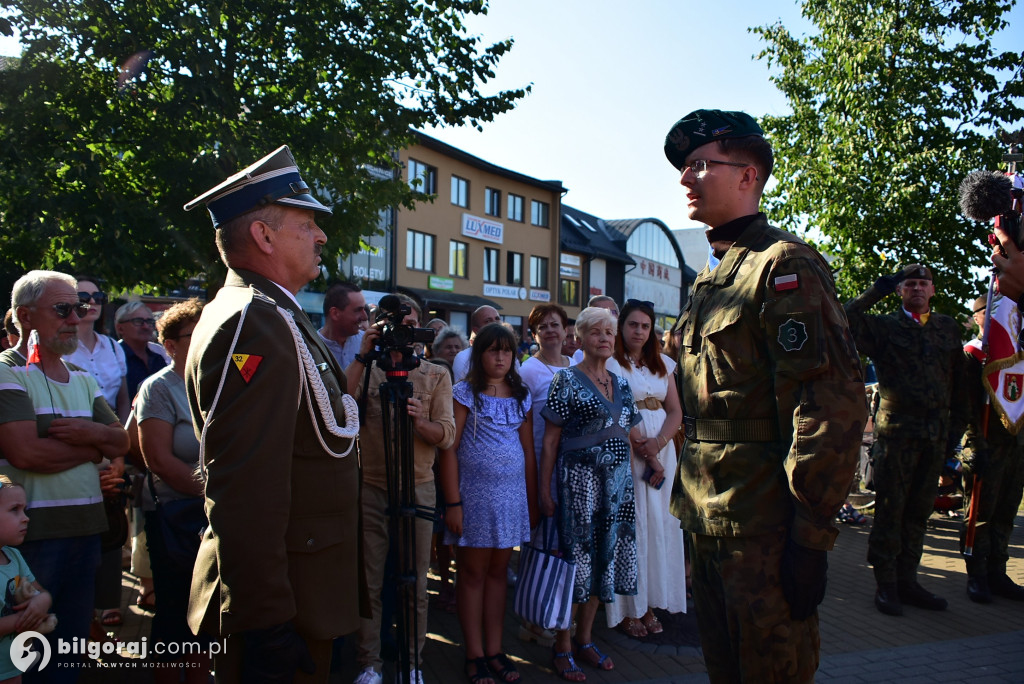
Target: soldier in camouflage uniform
point(774, 402)
point(998, 458)
point(917, 354)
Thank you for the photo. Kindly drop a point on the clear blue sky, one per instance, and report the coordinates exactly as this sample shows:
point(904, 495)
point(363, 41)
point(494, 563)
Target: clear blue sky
point(609, 79)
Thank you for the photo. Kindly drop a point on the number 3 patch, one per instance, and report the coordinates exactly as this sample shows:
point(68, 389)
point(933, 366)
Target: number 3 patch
point(792, 335)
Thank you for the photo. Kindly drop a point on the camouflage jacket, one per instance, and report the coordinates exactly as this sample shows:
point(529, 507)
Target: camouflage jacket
point(765, 341)
point(919, 368)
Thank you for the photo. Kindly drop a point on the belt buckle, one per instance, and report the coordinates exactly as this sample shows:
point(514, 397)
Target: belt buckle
point(690, 428)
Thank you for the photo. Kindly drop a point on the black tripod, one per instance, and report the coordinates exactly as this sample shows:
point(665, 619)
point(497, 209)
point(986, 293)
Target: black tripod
point(401, 490)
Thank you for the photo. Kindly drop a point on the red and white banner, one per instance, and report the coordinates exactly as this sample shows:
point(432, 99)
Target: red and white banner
point(1003, 374)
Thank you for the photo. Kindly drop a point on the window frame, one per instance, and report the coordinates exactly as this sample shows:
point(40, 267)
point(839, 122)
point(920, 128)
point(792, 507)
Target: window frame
point(536, 205)
point(492, 258)
point(539, 276)
point(429, 175)
point(463, 183)
point(410, 252)
point(492, 202)
point(511, 268)
point(465, 258)
point(520, 203)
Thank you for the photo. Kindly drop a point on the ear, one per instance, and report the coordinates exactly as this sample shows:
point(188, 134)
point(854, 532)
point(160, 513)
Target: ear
point(24, 316)
point(262, 236)
point(749, 178)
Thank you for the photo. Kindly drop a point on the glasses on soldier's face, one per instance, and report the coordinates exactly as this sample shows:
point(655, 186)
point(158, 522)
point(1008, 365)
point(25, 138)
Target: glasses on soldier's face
point(699, 166)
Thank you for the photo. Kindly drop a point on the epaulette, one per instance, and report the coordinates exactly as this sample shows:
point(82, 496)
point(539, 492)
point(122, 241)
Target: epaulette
point(261, 298)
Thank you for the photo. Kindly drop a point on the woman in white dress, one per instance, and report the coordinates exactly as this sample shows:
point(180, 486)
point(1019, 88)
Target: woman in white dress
point(548, 324)
point(659, 539)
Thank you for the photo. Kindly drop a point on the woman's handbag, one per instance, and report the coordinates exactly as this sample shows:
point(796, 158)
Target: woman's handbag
point(181, 525)
point(543, 593)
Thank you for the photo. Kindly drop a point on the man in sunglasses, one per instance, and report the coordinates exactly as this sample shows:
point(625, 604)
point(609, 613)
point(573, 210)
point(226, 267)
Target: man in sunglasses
point(278, 567)
point(774, 409)
point(54, 426)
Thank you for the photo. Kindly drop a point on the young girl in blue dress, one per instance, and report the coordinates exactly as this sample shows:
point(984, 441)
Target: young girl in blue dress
point(489, 477)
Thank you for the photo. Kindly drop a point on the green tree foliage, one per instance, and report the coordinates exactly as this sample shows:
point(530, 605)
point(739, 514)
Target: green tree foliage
point(894, 102)
point(118, 112)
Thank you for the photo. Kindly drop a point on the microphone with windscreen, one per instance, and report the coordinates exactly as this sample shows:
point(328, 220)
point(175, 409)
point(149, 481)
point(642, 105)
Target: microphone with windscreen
point(987, 195)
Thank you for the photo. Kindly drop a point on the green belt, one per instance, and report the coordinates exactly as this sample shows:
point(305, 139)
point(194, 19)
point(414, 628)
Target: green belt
point(751, 430)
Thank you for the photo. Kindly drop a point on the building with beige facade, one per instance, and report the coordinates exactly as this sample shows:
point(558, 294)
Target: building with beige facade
point(491, 236)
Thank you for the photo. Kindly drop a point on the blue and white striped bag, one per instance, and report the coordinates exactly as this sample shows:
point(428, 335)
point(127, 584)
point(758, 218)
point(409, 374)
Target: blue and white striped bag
point(543, 593)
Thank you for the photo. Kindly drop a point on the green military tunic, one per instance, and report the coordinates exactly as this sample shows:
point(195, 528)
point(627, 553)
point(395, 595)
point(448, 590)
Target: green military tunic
point(283, 536)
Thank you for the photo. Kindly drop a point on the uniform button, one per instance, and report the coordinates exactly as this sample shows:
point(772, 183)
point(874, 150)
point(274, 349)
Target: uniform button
point(310, 542)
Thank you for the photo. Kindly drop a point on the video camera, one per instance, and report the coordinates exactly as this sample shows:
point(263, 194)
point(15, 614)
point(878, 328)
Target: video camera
point(396, 335)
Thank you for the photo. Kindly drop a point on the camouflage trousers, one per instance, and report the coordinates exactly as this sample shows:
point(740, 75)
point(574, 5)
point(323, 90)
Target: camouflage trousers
point(746, 631)
point(1001, 491)
point(906, 480)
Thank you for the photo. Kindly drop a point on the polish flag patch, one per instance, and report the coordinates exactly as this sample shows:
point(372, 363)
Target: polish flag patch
point(787, 282)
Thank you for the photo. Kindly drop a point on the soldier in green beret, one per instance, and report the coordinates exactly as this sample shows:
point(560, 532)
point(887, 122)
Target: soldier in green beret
point(917, 354)
point(774, 410)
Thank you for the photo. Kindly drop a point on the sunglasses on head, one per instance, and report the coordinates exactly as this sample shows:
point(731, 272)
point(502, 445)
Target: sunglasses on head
point(98, 297)
point(64, 309)
point(638, 302)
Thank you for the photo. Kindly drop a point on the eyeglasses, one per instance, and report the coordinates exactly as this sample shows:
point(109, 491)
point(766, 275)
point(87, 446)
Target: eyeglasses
point(98, 297)
point(699, 166)
point(64, 309)
point(182, 336)
point(640, 303)
point(139, 322)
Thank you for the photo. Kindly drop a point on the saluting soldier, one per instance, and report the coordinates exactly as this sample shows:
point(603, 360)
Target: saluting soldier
point(774, 412)
point(278, 568)
point(917, 354)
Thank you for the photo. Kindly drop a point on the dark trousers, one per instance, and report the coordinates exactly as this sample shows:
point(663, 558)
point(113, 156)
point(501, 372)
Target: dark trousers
point(906, 480)
point(1001, 491)
point(66, 568)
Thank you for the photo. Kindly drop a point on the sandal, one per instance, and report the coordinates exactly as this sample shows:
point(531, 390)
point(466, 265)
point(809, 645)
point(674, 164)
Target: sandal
point(652, 624)
point(633, 628)
point(573, 673)
point(591, 655)
point(507, 671)
point(112, 618)
point(482, 673)
point(146, 602)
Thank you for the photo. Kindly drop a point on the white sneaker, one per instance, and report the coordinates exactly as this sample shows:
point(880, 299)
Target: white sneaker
point(415, 677)
point(368, 676)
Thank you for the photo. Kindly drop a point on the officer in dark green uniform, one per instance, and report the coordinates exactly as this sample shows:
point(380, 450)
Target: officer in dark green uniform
point(278, 572)
point(774, 401)
point(917, 354)
point(997, 456)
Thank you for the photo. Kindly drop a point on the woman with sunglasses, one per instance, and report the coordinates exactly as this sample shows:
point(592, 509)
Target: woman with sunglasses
point(659, 540)
point(98, 353)
point(104, 359)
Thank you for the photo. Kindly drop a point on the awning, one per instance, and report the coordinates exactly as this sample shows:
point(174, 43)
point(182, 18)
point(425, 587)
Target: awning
point(448, 300)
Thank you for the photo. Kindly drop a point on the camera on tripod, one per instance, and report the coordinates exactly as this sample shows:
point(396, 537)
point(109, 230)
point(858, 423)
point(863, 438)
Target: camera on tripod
point(395, 335)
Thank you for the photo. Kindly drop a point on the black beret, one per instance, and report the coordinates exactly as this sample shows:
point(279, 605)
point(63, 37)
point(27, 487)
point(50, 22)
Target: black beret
point(703, 126)
point(917, 271)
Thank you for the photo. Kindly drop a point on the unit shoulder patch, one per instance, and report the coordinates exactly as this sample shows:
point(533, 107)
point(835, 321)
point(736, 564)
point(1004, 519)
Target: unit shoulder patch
point(792, 335)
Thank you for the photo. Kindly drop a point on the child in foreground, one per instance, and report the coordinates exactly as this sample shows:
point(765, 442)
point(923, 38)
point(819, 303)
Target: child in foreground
point(24, 604)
